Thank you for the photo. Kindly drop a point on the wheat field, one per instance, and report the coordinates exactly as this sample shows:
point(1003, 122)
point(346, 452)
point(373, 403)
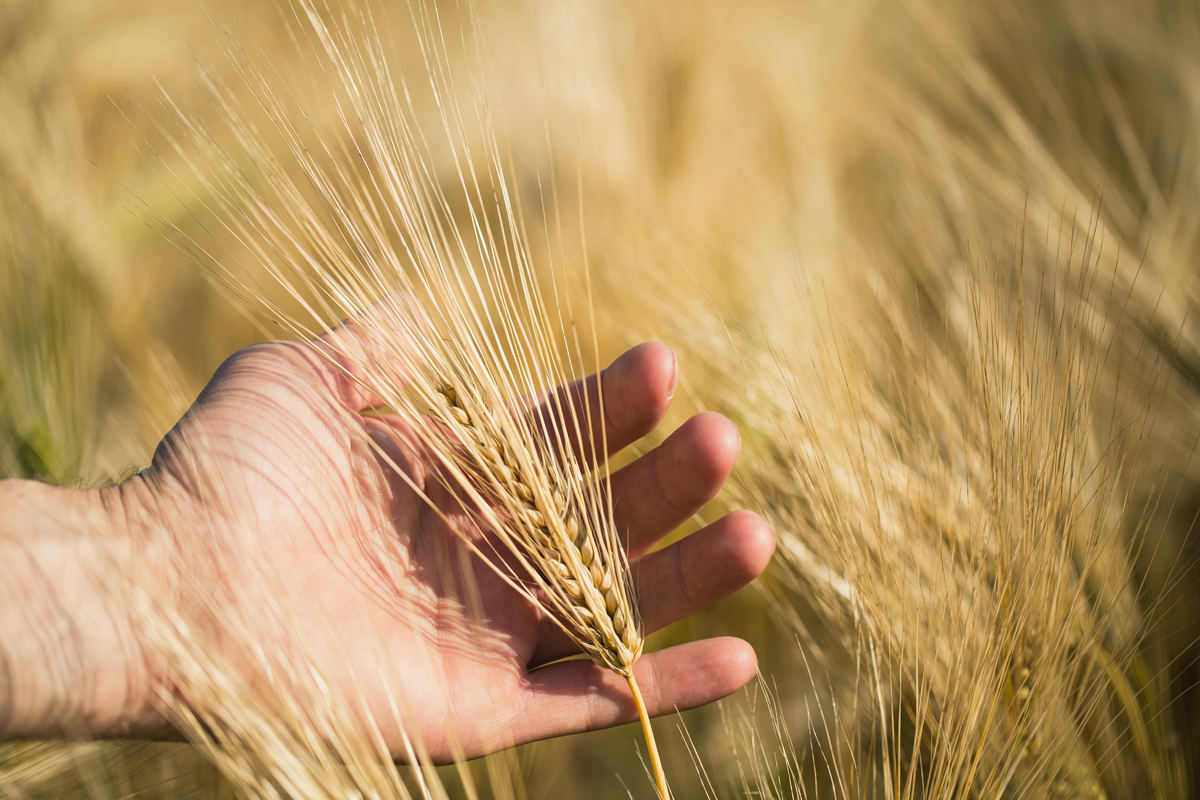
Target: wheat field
point(935, 258)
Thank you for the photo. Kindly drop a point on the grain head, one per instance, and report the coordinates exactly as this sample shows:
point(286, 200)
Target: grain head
point(453, 327)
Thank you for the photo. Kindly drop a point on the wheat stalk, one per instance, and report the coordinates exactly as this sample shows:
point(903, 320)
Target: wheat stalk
point(588, 581)
point(959, 525)
point(582, 571)
point(452, 327)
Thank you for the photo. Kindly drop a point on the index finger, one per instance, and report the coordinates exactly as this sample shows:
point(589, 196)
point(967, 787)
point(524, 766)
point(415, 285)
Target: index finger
point(615, 407)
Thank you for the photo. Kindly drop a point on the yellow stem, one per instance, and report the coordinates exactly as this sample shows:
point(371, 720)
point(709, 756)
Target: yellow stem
point(660, 777)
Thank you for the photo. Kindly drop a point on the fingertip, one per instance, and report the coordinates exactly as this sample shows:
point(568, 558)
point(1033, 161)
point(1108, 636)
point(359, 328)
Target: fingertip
point(579, 695)
point(741, 663)
point(703, 568)
point(673, 382)
point(638, 387)
point(700, 456)
point(721, 437)
point(733, 664)
point(748, 545)
point(694, 674)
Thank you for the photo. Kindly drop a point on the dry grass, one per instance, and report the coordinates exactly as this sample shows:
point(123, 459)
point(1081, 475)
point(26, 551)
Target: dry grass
point(364, 234)
point(979, 454)
point(953, 249)
point(959, 528)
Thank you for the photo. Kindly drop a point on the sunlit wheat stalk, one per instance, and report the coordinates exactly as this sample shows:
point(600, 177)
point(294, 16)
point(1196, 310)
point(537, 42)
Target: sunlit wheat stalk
point(452, 326)
point(957, 513)
point(583, 573)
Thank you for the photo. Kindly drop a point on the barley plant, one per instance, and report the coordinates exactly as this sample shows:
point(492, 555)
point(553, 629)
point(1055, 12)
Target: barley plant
point(455, 334)
point(935, 258)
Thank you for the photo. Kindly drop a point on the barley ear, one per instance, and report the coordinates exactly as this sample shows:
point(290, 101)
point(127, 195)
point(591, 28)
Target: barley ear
point(574, 555)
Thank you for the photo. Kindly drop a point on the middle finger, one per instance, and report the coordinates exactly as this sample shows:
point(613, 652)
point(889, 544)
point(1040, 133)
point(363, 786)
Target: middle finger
point(664, 488)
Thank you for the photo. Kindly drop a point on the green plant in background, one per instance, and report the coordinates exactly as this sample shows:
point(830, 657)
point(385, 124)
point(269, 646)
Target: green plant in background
point(51, 319)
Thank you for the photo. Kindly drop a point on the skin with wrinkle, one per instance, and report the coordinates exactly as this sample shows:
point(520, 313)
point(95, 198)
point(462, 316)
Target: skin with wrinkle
point(366, 563)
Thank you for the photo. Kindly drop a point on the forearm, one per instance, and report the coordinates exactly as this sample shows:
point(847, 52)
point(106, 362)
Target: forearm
point(70, 664)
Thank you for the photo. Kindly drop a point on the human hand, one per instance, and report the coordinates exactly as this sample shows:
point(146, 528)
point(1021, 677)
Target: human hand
point(372, 575)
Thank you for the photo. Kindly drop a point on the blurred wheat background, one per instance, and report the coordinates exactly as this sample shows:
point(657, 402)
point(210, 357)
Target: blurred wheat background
point(936, 258)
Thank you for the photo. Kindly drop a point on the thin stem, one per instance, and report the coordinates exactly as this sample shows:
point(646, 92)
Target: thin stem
point(660, 777)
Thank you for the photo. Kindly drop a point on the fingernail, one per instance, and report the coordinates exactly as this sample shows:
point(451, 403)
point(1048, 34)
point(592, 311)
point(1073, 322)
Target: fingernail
point(674, 374)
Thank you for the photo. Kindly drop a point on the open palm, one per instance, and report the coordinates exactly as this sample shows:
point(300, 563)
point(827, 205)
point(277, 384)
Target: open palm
point(395, 606)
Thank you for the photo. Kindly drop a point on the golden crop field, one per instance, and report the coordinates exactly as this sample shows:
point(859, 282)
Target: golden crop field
point(936, 259)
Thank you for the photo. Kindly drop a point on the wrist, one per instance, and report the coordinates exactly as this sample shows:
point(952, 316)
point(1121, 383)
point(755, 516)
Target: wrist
point(70, 661)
